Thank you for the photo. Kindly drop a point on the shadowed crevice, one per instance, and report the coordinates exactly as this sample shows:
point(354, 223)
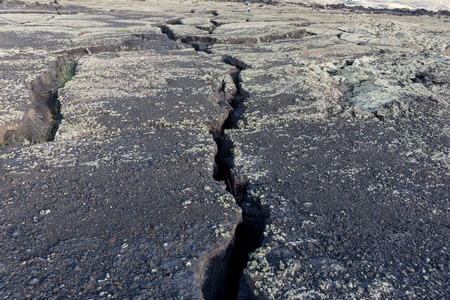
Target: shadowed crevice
point(223, 275)
point(40, 123)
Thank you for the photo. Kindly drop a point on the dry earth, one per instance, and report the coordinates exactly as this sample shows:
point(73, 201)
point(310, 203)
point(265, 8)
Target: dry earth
point(199, 150)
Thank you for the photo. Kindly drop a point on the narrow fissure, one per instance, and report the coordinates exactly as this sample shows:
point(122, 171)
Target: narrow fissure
point(223, 275)
point(223, 159)
point(248, 235)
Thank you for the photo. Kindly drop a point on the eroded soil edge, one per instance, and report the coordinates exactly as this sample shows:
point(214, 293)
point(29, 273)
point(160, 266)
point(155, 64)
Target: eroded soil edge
point(41, 121)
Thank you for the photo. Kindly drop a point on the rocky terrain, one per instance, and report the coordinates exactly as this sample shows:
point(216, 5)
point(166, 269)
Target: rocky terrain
point(219, 150)
point(433, 5)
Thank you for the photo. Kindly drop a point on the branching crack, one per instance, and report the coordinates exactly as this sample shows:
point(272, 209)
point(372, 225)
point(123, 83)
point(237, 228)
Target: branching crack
point(206, 42)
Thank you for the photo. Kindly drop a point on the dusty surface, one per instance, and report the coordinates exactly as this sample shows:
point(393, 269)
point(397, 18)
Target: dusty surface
point(336, 149)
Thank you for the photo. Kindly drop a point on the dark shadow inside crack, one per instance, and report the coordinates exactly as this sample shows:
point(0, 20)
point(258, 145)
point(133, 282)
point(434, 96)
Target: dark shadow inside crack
point(248, 238)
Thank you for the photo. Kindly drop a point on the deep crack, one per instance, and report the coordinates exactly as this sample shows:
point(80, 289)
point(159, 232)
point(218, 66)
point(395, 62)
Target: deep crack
point(40, 123)
point(248, 235)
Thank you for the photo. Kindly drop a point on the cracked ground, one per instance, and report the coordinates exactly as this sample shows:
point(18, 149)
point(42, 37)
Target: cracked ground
point(207, 152)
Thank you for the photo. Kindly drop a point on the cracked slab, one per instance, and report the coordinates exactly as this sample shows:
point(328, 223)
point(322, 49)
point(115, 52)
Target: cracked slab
point(103, 216)
point(357, 209)
point(166, 90)
point(78, 229)
point(346, 207)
